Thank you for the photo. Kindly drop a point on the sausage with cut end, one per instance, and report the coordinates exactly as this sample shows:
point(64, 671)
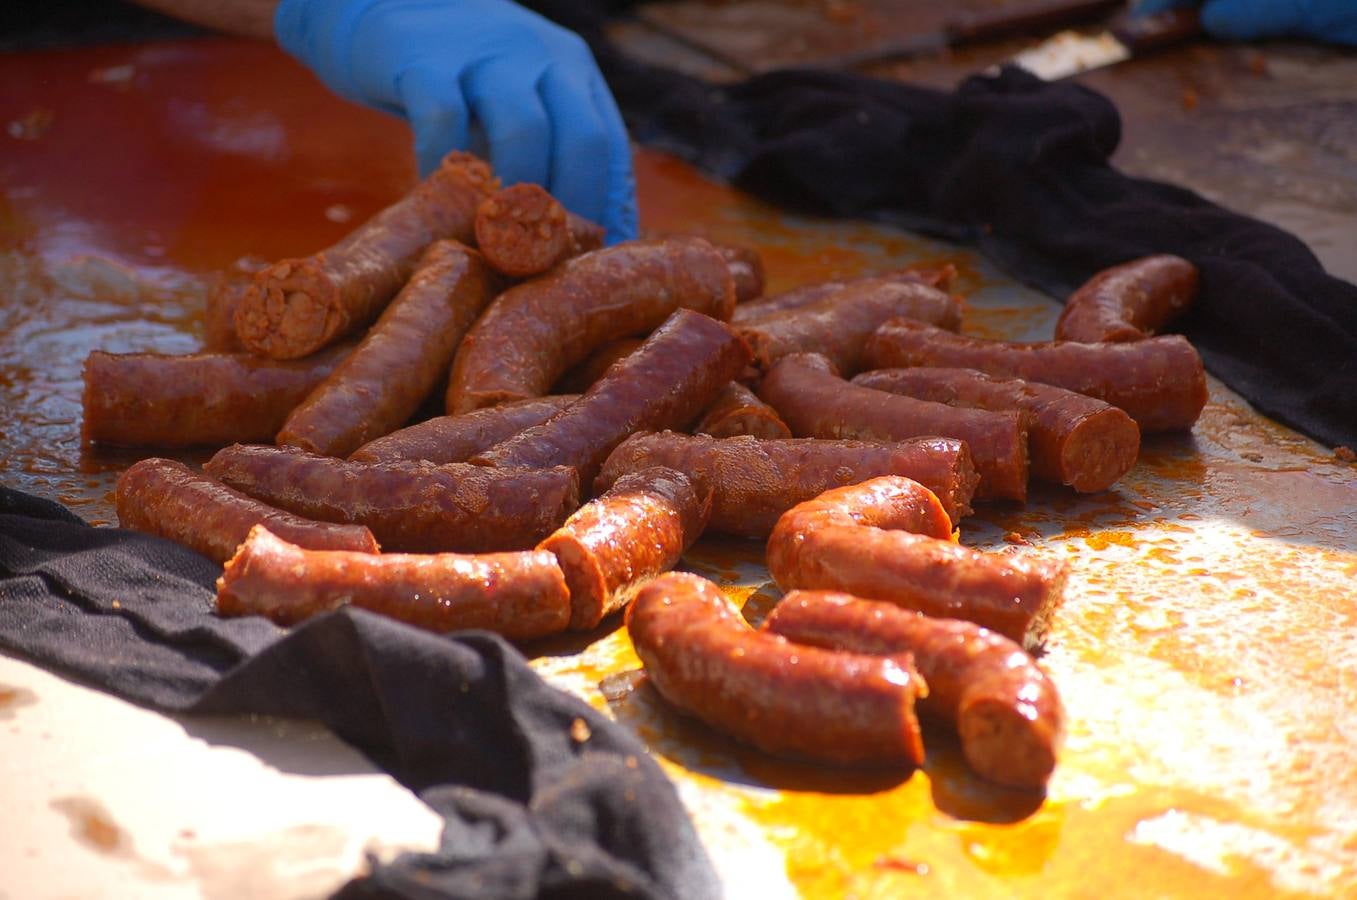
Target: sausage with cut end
point(452, 439)
point(736, 411)
point(524, 231)
point(1128, 302)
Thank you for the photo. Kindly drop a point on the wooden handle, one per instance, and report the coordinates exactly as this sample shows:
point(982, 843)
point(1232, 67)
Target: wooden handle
point(986, 26)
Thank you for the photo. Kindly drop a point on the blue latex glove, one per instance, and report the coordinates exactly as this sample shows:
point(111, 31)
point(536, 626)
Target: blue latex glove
point(484, 75)
point(1246, 20)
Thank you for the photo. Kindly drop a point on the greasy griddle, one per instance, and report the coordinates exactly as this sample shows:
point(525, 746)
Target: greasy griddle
point(1206, 652)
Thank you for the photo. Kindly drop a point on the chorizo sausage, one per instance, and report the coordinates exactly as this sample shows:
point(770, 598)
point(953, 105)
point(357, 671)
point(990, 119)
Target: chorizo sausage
point(1006, 710)
point(520, 595)
point(747, 311)
point(452, 439)
point(197, 399)
point(746, 271)
point(533, 332)
point(784, 698)
point(578, 379)
point(816, 403)
point(1159, 381)
point(297, 306)
point(812, 547)
point(400, 360)
point(1128, 302)
point(410, 507)
point(523, 231)
point(167, 498)
point(219, 313)
point(612, 545)
point(755, 481)
point(667, 383)
point(1072, 439)
point(736, 411)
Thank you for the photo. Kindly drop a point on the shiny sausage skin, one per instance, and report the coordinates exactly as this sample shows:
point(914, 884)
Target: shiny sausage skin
point(401, 359)
point(667, 383)
point(1128, 302)
point(520, 595)
point(167, 498)
point(297, 306)
point(747, 311)
point(811, 547)
point(736, 411)
point(534, 332)
point(1004, 707)
point(786, 699)
point(612, 545)
point(816, 403)
point(410, 507)
point(1159, 381)
point(198, 399)
point(219, 313)
point(578, 379)
point(1072, 439)
point(523, 231)
point(755, 481)
point(454, 439)
point(746, 270)
point(838, 325)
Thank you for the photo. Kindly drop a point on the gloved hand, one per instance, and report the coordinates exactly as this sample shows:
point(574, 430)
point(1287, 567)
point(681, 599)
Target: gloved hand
point(1246, 20)
point(478, 70)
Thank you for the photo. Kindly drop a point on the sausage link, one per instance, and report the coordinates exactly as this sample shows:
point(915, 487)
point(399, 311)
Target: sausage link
point(667, 383)
point(401, 359)
point(1072, 439)
point(746, 270)
point(297, 306)
point(1004, 707)
point(755, 481)
point(534, 332)
point(816, 403)
point(612, 545)
point(454, 439)
point(736, 411)
point(871, 558)
point(784, 698)
point(219, 313)
point(578, 379)
point(520, 595)
point(524, 231)
point(410, 507)
point(198, 399)
point(940, 277)
point(1128, 302)
point(1159, 381)
point(167, 498)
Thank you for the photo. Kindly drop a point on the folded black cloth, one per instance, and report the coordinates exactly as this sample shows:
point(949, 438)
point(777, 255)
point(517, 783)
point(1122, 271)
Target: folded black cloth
point(534, 804)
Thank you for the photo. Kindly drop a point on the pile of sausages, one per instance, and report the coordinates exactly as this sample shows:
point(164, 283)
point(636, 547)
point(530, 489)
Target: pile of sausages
point(601, 409)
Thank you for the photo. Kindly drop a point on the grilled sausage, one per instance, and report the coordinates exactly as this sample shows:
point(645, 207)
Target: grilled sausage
point(736, 411)
point(452, 439)
point(747, 311)
point(1128, 302)
point(523, 231)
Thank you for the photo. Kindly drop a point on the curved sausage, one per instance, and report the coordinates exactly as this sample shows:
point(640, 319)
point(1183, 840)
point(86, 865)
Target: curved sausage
point(578, 379)
point(520, 595)
point(410, 507)
point(755, 481)
point(746, 270)
point(197, 399)
point(1004, 707)
point(297, 306)
point(167, 498)
point(814, 402)
point(784, 698)
point(400, 360)
point(1159, 381)
point(453, 439)
point(811, 547)
point(675, 374)
point(736, 411)
point(612, 545)
point(1128, 302)
point(219, 313)
point(537, 330)
point(747, 311)
point(1072, 439)
point(524, 231)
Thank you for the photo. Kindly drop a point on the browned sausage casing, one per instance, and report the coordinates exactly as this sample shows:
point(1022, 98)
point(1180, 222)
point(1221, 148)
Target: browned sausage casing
point(747, 311)
point(402, 358)
point(520, 595)
point(534, 332)
point(784, 698)
point(167, 498)
point(523, 231)
point(676, 373)
point(755, 481)
point(1159, 381)
point(297, 306)
point(198, 399)
point(452, 439)
point(736, 411)
point(578, 379)
point(612, 545)
point(816, 403)
point(1073, 439)
point(812, 547)
point(410, 507)
point(219, 314)
point(746, 270)
point(1005, 709)
point(1128, 302)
